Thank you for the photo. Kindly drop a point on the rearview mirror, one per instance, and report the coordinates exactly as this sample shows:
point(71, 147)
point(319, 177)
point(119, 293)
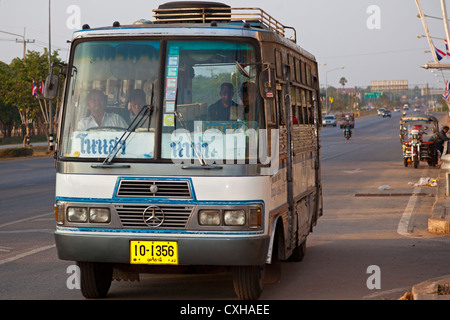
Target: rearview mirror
point(51, 87)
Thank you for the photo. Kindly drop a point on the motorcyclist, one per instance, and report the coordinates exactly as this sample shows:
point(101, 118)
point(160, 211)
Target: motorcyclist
point(347, 127)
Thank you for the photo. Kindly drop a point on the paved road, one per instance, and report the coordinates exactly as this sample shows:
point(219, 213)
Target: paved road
point(356, 232)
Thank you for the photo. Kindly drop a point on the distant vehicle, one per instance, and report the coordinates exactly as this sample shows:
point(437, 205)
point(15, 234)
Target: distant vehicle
point(405, 107)
point(387, 113)
point(329, 120)
point(380, 111)
point(347, 119)
point(416, 109)
point(396, 109)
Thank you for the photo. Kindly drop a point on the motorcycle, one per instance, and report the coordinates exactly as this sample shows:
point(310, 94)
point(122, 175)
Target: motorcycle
point(415, 148)
point(347, 132)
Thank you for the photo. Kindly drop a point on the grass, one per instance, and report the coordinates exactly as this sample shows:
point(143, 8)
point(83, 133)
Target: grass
point(16, 152)
point(33, 151)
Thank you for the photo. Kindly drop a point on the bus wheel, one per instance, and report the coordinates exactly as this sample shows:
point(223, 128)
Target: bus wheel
point(248, 281)
point(95, 279)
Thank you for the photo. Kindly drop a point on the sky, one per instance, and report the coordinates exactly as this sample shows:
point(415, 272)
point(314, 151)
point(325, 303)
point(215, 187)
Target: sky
point(370, 39)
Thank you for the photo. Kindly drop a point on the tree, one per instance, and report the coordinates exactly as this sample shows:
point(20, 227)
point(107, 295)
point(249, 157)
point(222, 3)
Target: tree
point(8, 113)
point(343, 81)
point(17, 87)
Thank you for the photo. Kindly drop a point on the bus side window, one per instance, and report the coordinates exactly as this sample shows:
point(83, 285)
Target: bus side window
point(280, 107)
point(278, 64)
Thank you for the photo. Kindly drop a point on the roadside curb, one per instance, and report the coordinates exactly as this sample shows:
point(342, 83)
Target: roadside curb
point(429, 290)
point(439, 222)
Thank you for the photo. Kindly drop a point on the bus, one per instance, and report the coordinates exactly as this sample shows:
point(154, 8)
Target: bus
point(186, 143)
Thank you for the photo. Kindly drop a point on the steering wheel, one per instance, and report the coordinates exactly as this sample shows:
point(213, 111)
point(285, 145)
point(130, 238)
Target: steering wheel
point(106, 128)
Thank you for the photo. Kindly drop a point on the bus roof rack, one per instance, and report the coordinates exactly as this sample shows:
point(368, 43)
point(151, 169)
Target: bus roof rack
point(207, 12)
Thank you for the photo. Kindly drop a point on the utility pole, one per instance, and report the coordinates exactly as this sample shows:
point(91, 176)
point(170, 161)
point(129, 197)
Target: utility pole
point(427, 32)
point(444, 17)
point(24, 41)
point(50, 134)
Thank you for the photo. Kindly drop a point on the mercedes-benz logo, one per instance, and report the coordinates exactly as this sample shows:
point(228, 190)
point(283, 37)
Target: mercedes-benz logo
point(153, 216)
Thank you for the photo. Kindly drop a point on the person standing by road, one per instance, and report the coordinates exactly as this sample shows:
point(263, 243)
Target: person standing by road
point(441, 138)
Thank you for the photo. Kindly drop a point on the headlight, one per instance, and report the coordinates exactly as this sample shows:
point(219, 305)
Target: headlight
point(209, 217)
point(234, 217)
point(77, 214)
point(99, 215)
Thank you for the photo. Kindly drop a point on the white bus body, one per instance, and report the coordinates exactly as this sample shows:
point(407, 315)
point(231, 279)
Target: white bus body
point(176, 187)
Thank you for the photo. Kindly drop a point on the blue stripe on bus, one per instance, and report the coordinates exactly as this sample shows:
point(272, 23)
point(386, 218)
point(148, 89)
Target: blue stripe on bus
point(146, 231)
point(159, 200)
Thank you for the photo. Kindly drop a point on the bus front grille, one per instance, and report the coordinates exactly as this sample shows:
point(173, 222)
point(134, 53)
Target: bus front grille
point(154, 189)
point(154, 216)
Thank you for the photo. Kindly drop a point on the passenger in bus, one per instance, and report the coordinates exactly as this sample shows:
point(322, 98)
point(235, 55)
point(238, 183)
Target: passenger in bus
point(98, 117)
point(225, 109)
point(247, 94)
point(137, 101)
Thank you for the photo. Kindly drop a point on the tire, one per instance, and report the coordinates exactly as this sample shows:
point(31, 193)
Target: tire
point(248, 281)
point(95, 279)
point(416, 161)
point(405, 162)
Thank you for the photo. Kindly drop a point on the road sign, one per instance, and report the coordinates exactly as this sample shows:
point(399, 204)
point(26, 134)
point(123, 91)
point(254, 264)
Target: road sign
point(373, 95)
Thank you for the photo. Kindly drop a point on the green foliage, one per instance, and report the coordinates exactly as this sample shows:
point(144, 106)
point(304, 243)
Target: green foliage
point(16, 83)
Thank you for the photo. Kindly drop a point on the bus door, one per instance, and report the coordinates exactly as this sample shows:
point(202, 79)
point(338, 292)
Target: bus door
point(286, 105)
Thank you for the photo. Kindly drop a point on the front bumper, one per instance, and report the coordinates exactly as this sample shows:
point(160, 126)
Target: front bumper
point(202, 250)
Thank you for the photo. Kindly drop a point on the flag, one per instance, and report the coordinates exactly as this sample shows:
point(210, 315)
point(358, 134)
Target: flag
point(34, 89)
point(447, 86)
point(440, 54)
point(41, 88)
point(445, 95)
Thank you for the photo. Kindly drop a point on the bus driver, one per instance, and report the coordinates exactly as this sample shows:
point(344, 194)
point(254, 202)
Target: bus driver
point(96, 101)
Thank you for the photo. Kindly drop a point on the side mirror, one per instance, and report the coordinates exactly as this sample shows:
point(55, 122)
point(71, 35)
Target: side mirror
point(51, 87)
point(267, 86)
point(242, 70)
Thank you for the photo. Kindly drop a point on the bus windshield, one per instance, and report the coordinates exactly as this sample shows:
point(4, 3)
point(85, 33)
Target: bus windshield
point(207, 105)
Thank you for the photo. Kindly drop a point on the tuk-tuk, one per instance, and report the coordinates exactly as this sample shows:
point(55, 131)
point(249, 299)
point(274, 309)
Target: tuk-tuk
point(415, 146)
point(347, 119)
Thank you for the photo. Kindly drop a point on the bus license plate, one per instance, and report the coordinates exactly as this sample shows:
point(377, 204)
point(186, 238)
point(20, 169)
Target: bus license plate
point(153, 252)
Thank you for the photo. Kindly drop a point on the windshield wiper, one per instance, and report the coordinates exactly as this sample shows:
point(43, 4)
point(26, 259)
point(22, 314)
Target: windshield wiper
point(147, 110)
point(198, 153)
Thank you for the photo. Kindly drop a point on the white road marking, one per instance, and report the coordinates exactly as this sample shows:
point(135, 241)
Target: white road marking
point(26, 254)
point(25, 219)
point(406, 217)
